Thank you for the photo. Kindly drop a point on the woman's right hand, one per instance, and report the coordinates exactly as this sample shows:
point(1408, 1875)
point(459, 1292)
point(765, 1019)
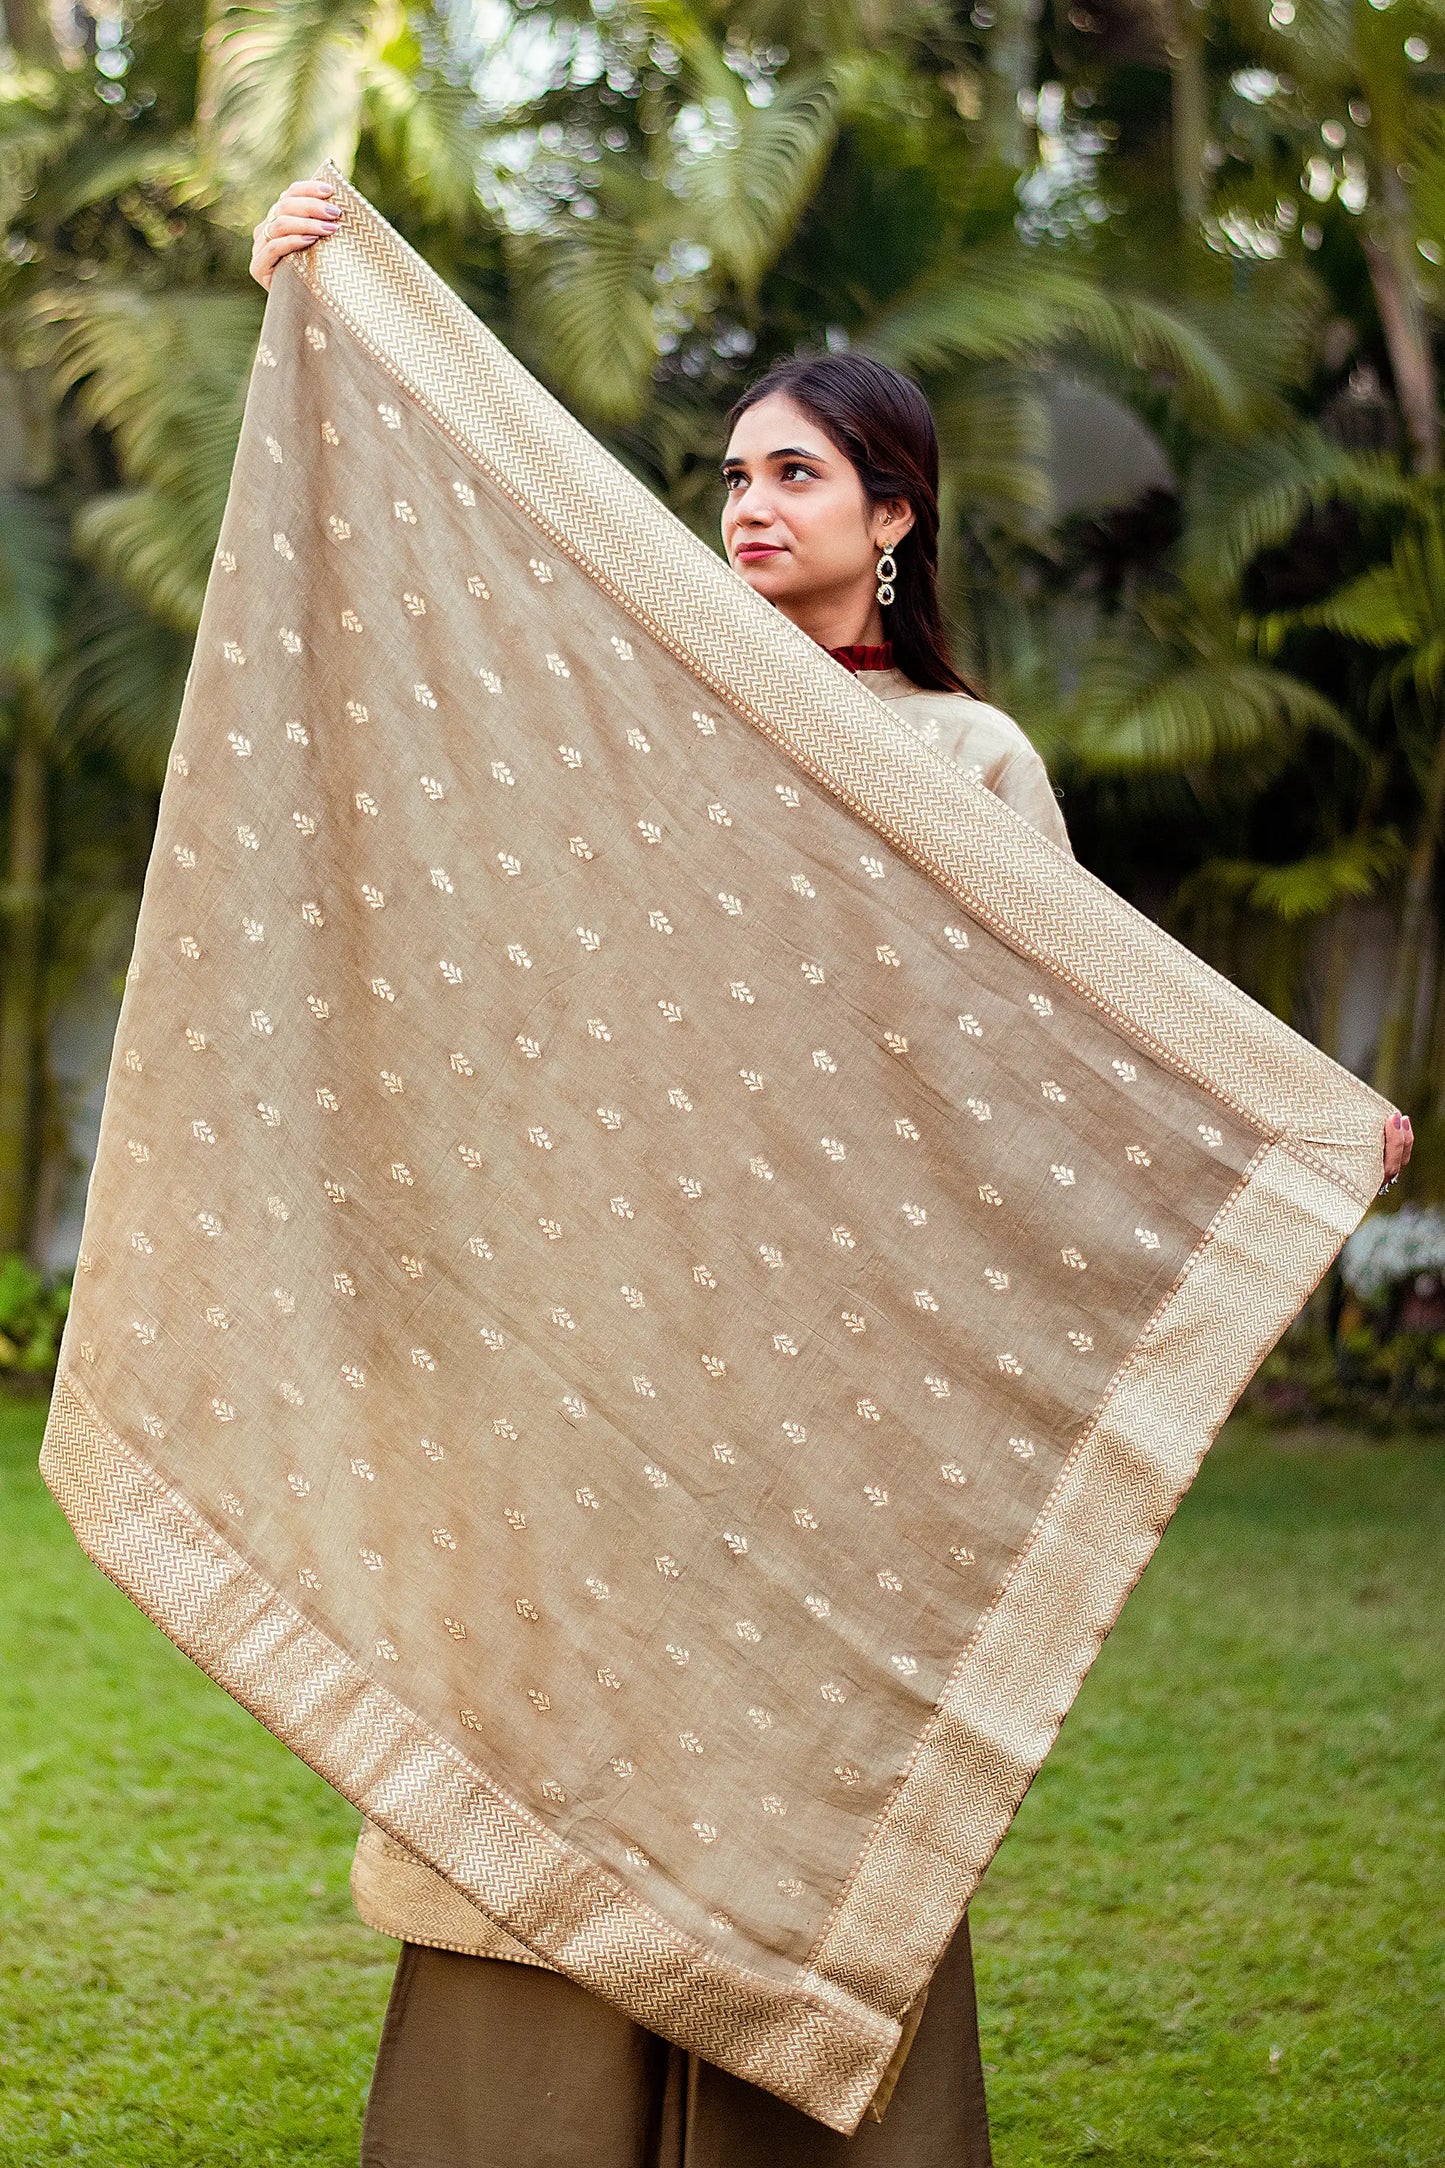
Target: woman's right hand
point(302, 215)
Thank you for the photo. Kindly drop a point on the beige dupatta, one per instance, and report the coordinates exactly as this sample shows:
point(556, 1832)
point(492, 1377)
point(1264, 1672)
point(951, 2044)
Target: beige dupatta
point(658, 1261)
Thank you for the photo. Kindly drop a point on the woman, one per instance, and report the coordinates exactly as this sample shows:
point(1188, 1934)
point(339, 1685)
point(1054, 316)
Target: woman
point(831, 514)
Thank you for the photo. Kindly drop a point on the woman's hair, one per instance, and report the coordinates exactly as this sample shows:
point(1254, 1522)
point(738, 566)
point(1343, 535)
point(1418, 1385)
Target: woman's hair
point(883, 424)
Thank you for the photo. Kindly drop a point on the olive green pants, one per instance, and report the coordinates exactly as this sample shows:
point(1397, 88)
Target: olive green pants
point(487, 2065)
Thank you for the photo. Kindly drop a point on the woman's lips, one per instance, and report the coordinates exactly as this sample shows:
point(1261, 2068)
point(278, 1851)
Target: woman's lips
point(755, 552)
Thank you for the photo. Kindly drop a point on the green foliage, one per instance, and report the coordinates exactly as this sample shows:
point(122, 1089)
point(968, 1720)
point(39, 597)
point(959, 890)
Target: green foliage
point(1252, 497)
point(283, 92)
point(32, 1313)
point(33, 568)
point(1175, 688)
point(995, 303)
point(119, 685)
point(1367, 1373)
point(1350, 871)
point(589, 303)
point(165, 376)
point(1400, 604)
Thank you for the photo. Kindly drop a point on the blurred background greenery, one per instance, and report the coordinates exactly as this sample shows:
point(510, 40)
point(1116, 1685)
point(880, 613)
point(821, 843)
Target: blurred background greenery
point(1170, 270)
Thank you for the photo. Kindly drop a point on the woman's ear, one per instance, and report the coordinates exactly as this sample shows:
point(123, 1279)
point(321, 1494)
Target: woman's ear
point(890, 522)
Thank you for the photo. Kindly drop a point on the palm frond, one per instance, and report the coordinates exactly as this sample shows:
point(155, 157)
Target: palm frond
point(118, 688)
point(166, 376)
point(1006, 302)
point(424, 132)
point(33, 570)
point(1143, 705)
point(150, 543)
point(40, 128)
point(105, 172)
point(1157, 337)
point(1311, 887)
point(987, 304)
point(1378, 609)
point(1425, 159)
point(996, 442)
point(750, 185)
point(587, 315)
point(1247, 498)
point(1350, 872)
point(281, 88)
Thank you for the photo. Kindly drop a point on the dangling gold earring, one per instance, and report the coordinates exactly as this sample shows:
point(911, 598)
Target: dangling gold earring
point(887, 574)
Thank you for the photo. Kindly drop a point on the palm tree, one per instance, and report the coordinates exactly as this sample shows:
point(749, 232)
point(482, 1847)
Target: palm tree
point(32, 573)
point(1397, 608)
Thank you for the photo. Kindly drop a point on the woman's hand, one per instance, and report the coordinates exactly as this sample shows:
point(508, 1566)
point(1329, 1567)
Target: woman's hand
point(1399, 1144)
point(302, 215)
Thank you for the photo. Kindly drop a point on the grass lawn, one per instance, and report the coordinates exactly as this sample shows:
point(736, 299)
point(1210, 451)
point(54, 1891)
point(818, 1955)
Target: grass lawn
point(1214, 1935)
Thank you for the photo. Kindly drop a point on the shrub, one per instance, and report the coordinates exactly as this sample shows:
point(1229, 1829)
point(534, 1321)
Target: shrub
point(32, 1313)
point(1371, 1348)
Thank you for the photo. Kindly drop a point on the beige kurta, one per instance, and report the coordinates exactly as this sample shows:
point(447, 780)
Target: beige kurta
point(394, 1891)
point(984, 742)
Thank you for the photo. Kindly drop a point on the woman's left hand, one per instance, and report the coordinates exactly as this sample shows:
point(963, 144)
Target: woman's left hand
point(1399, 1143)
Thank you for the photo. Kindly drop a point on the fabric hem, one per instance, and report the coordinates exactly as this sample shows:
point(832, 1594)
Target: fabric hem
point(1271, 1245)
point(813, 2046)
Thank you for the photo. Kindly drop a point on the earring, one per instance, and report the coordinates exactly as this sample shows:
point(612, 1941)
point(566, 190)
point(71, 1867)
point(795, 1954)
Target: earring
point(887, 574)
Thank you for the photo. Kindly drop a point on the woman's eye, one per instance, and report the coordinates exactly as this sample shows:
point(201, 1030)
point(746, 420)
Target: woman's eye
point(794, 473)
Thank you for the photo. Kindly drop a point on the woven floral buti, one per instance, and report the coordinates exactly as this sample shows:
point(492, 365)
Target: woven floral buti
point(658, 1261)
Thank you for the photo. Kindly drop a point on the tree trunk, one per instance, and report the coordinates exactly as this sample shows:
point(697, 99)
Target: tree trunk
point(1435, 1059)
point(1332, 990)
point(1191, 128)
point(1390, 254)
point(51, 1158)
point(1397, 1033)
point(1189, 95)
point(1012, 62)
point(23, 917)
point(1181, 33)
point(27, 28)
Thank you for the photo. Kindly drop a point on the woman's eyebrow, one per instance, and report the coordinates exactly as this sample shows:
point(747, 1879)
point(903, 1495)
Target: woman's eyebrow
point(784, 451)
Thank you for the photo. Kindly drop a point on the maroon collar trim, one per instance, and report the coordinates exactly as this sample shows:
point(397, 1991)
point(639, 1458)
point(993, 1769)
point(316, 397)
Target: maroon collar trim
point(855, 659)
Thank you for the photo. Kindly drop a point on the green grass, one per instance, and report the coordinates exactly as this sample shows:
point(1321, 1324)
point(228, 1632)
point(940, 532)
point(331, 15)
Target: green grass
point(1214, 1935)
point(182, 1978)
point(1215, 1932)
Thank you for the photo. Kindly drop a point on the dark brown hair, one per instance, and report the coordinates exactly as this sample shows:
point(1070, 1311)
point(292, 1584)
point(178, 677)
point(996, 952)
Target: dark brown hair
point(882, 424)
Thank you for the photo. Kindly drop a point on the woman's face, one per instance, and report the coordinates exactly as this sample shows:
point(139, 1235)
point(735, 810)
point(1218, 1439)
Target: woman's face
point(797, 524)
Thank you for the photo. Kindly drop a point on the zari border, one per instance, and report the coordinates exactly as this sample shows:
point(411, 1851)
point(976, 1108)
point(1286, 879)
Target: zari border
point(400, 1895)
point(799, 2037)
point(1269, 1248)
point(1175, 1007)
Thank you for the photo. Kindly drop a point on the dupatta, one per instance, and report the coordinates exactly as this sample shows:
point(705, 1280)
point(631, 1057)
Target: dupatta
point(658, 1260)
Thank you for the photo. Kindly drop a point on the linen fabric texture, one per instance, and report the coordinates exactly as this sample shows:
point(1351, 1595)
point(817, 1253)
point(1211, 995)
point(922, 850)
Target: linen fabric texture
point(658, 1259)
